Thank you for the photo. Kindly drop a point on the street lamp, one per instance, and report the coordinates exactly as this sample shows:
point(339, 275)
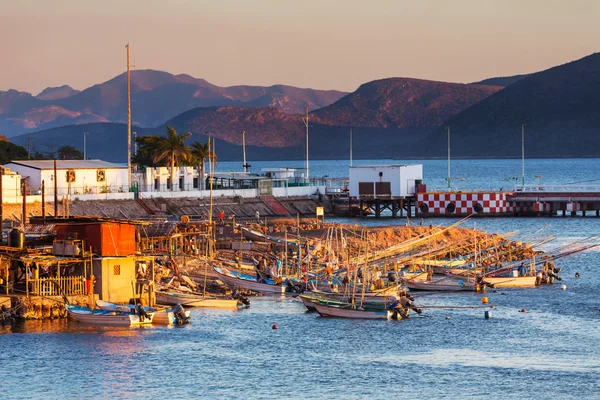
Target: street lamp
point(84, 145)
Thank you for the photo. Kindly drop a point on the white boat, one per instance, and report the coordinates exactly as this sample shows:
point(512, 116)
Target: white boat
point(509, 281)
point(86, 315)
point(194, 300)
point(238, 280)
point(347, 312)
point(164, 316)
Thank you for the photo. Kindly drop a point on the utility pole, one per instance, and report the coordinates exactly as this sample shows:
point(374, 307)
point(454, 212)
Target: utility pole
point(28, 148)
point(448, 128)
point(305, 120)
point(244, 150)
point(350, 146)
point(84, 145)
point(523, 154)
point(129, 122)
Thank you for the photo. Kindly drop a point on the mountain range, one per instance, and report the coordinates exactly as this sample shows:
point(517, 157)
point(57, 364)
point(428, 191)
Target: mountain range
point(156, 97)
point(391, 118)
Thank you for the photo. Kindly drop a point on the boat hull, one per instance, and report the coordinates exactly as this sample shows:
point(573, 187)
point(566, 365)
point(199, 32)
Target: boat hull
point(509, 281)
point(339, 312)
point(260, 287)
point(439, 286)
point(107, 318)
point(191, 300)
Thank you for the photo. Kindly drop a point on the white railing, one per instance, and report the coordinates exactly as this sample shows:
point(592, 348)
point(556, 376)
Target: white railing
point(557, 188)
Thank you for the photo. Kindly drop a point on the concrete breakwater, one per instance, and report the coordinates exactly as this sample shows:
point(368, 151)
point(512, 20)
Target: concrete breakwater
point(238, 207)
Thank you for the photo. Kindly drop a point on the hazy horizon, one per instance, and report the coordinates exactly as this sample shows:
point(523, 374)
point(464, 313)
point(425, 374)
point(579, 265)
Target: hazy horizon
point(322, 44)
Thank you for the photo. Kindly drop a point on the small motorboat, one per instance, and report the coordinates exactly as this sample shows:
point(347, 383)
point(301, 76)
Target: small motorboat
point(165, 316)
point(100, 317)
point(346, 311)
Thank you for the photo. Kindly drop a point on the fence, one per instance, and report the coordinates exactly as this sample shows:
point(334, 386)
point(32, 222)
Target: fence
point(69, 285)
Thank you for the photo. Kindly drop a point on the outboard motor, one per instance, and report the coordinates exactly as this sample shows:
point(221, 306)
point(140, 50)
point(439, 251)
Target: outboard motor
point(179, 313)
point(139, 309)
point(241, 298)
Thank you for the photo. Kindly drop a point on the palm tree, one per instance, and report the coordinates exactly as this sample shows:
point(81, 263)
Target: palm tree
point(173, 149)
point(202, 152)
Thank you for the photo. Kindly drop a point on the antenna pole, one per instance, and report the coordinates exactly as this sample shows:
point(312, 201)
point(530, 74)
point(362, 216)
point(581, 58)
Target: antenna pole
point(448, 156)
point(350, 146)
point(523, 154)
point(305, 120)
point(244, 149)
point(129, 122)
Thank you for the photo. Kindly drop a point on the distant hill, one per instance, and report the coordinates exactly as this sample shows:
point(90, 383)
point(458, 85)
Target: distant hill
point(55, 93)
point(156, 97)
point(501, 81)
point(401, 103)
point(264, 126)
point(560, 107)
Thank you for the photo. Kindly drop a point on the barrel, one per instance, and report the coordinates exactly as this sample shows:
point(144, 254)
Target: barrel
point(16, 238)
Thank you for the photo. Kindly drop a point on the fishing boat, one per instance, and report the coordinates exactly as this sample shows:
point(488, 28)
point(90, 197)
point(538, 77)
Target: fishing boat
point(166, 316)
point(368, 302)
point(346, 311)
point(248, 282)
point(171, 298)
point(441, 285)
point(87, 315)
point(256, 236)
point(509, 281)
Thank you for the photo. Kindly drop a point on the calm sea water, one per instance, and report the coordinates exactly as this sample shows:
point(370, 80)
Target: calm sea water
point(552, 351)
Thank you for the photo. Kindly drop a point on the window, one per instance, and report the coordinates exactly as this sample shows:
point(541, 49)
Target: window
point(156, 183)
point(101, 175)
point(195, 183)
point(168, 183)
point(181, 183)
point(116, 270)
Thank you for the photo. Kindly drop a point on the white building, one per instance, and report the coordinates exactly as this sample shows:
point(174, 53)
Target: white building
point(73, 176)
point(384, 181)
point(158, 179)
point(11, 186)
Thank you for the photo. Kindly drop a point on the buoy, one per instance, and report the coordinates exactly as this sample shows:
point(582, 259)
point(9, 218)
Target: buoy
point(447, 317)
point(523, 310)
point(564, 287)
point(275, 326)
point(487, 314)
point(492, 306)
point(484, 300)
point(577, 275)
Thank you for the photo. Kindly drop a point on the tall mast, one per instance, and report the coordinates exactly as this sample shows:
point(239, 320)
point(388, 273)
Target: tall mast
point(523, 154)
point(129, 122)
point(305, 120)
point(244, 150)
point(350, 146)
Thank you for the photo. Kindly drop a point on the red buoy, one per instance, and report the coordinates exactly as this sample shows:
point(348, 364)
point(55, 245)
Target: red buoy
point(523, 310)
point(275, 326)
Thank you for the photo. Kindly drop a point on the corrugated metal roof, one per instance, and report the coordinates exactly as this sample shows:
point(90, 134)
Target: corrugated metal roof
point(68, 164)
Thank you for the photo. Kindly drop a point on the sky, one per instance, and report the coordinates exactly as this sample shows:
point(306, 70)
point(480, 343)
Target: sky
point(322, 44)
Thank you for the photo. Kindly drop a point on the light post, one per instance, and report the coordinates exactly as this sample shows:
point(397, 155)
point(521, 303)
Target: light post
point(523, 154)
point(84, 145)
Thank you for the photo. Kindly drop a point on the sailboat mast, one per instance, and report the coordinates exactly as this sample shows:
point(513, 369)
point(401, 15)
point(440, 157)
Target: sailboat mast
point(128, 120)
